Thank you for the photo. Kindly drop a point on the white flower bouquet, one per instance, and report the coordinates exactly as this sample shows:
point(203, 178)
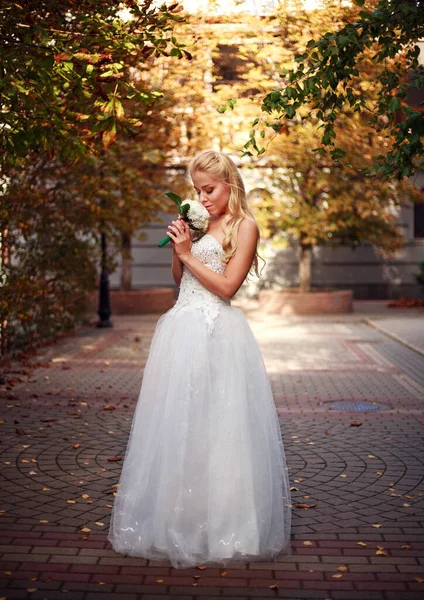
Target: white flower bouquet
point(193, 212)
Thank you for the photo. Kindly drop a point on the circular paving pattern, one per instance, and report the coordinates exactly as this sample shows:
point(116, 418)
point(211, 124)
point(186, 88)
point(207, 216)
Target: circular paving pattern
point(343, 476)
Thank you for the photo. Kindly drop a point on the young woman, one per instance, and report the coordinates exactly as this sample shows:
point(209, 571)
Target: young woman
point(204, 479)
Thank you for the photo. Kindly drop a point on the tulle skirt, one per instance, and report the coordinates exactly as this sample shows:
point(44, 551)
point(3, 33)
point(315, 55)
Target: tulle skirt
point(204, 478)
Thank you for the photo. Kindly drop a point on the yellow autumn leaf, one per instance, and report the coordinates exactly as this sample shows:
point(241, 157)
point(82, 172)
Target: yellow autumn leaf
point(99, 523)
point(159, 580)
point(308, 543)
point(343, 475)
point(224, 573)
point(377, 525)
point(419, 579)
point(337, 576)
point(194, 584)
point(33, 473)
point(85, 496)
point(202, 568)
point(70, 501)
point(361, 544)
point(406, 547)
point(46, 489)
point(85, 529)
point(371, 456)
point(274, 587)
point(343, 568)
point(44, 521)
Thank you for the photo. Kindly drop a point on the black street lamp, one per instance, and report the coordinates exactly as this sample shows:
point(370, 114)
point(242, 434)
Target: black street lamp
point(104, 311)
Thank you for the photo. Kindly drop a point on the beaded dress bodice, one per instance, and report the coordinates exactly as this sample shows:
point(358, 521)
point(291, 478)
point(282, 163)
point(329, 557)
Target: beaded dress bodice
point(210, 252)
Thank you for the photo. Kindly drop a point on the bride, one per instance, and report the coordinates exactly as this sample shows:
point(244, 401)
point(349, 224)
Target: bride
point(204, 479)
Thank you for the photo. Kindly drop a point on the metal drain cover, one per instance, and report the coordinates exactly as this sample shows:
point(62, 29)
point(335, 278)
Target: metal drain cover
point(346, 406)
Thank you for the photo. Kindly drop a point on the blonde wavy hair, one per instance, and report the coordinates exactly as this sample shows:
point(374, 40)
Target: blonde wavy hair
point(222, 167)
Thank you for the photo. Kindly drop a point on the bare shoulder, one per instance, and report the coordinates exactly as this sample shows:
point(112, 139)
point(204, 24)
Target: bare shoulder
point(249, 229)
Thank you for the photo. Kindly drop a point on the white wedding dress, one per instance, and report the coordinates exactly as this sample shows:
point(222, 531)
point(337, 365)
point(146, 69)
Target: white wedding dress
point(204, 479)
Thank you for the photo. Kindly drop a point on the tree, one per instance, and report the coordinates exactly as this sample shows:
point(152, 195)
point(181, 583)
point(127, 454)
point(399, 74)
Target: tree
point(327, 75)
point(317, 202)
point(73, 77)
point(69, 71)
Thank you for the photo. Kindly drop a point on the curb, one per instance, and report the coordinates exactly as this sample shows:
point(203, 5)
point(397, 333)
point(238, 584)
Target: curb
point(393, 336)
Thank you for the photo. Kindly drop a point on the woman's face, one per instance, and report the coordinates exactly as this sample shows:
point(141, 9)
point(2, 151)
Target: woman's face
point(213, 193)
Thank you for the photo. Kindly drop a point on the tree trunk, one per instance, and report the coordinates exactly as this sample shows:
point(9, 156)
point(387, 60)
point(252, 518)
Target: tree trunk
point(126, 266)
point(305, 262)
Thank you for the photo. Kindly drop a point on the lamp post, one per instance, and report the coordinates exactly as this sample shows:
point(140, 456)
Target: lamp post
point(104, 311)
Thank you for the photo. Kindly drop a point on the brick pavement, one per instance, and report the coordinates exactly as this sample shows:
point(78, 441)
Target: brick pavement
point(64, 428)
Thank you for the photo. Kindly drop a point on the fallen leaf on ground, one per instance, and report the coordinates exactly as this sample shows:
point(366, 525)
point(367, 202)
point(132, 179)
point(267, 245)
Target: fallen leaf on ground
point(343, 568)
point(308, 543)
point(114, 458)
point(109, 407)
point(406, 547)
point(85, 530)
point(99, 523)
point(43, 521)
point(274, 587)
point(377, 525)
point(306, 506)
point(355, 424)
point(224, 573)
point(419, 579)
point(371, 456)
point(70, 501)
point(361, 544)
point(337, 576)
point(202, 568)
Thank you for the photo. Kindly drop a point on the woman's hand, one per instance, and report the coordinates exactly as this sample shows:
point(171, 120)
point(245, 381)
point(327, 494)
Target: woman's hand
point(179, 232)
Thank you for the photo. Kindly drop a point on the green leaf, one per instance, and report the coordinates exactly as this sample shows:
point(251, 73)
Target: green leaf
point(175, 198)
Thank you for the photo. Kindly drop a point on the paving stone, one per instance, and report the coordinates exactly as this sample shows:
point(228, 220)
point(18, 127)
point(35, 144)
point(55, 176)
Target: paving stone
point(312, 363)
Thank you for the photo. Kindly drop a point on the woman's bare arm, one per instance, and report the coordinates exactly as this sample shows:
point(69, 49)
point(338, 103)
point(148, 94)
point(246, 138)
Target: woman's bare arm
point(227, 285)
point(177, 268)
